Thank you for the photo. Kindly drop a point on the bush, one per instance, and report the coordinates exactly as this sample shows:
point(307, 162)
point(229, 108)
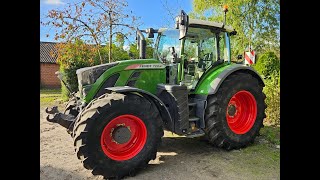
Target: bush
point(272, 91)
point(267, 64)
point(73, 56)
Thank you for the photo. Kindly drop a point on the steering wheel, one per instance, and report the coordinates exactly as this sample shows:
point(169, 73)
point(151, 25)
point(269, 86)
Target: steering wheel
point(208, 57)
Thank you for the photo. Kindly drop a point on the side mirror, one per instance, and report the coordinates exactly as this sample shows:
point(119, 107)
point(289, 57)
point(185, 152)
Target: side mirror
point(172, 50)
point(150, 32)
point(233, 33)
point(174, 55)
point(182, 22)
point(239, 56)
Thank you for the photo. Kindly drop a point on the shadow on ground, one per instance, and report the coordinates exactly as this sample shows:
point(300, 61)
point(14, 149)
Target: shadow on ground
point(53, 173)
point(181, 158)
point(184, 158)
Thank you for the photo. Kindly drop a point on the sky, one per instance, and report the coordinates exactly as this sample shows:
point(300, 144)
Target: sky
point(153, 13)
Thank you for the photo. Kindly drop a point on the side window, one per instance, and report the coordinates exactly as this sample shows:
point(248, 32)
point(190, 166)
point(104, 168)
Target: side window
point(223, 46)
point(208, 52)
point(191, 50)
point(208, 49)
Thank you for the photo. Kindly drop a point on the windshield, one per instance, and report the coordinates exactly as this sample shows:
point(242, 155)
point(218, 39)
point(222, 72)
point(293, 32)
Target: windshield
point(167, 40)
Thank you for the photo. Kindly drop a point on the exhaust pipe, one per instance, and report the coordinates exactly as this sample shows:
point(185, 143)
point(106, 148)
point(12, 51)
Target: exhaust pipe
point(142, 44)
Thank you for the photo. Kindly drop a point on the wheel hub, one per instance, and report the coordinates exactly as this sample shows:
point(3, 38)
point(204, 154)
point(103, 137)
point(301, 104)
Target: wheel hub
point(121, 134)
point(232, 109)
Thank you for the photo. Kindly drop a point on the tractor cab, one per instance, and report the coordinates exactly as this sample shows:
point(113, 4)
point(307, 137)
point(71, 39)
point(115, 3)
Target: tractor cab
point(191, 49)
point(205, 45)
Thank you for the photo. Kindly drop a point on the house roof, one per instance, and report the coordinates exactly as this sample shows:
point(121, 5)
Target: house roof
point(46, 50)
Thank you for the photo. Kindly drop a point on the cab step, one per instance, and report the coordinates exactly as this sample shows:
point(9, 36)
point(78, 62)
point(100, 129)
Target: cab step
point(194, 118)
point(197, 133)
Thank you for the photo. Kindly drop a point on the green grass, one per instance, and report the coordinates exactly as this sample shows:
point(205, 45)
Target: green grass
point(50, 91)
point(259, 158)
point(265, 150)
point(272, 134)
point(50, 95)
point(256, 159)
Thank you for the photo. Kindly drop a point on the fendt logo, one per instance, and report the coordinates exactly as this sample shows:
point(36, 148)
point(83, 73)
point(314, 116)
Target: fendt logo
point(146, 66)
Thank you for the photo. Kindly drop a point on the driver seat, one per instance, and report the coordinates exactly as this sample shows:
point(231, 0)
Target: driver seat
point(207, 58)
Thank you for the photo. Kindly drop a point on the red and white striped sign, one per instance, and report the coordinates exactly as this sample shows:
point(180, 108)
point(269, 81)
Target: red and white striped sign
point(249, 57)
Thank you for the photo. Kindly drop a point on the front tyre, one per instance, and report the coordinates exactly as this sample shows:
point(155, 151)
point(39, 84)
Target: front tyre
point(234, 115)
point(117, 134)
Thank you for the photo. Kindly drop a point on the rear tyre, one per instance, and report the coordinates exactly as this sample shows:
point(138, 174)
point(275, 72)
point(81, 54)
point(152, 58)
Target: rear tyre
point(117, 134)
point(234, 115)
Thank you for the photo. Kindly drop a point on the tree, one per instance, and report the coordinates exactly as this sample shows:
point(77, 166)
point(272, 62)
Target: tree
point(92, 21)
point(72, 56)
point(119, 53)
point(134, 52)
point(256, 21)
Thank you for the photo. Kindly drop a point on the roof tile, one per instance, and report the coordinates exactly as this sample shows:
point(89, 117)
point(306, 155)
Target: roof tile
point(46, 49)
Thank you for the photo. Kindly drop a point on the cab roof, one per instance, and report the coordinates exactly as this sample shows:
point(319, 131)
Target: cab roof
point(209, 25)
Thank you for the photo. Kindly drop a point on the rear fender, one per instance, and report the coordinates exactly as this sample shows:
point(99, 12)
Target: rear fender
point(213, 80)
point(215, 84)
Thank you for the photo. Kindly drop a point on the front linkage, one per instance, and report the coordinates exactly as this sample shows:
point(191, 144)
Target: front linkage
point(55, 116)
point(67, 118)
point(71, 111)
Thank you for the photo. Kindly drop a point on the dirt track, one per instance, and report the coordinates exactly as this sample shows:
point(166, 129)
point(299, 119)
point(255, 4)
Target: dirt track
point(177, 158)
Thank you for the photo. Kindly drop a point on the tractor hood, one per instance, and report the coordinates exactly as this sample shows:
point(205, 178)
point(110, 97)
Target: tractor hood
point(89, 75)
point(94, 76)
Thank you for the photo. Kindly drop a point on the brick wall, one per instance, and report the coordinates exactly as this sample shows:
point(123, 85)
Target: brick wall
point(47, 77)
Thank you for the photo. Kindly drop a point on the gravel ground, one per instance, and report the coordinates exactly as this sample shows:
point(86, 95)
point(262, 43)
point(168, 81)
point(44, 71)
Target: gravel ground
point(177, 158)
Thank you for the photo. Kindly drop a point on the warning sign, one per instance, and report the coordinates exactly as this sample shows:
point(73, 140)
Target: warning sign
point(249, 57)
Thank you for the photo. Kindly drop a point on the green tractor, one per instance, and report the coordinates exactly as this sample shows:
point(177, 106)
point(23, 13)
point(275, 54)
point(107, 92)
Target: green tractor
point(190, 87)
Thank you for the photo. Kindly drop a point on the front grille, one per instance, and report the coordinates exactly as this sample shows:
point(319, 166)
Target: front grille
point(133, 79)
point(110, 82)
point(135, 74)
point(131, 83)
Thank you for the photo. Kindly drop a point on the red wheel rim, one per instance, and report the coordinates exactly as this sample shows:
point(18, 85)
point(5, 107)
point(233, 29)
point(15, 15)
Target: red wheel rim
point(123, 137)
point(241, 112)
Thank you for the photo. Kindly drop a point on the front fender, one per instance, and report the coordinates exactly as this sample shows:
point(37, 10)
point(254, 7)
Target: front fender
point(214, 78)
point(164, 112)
